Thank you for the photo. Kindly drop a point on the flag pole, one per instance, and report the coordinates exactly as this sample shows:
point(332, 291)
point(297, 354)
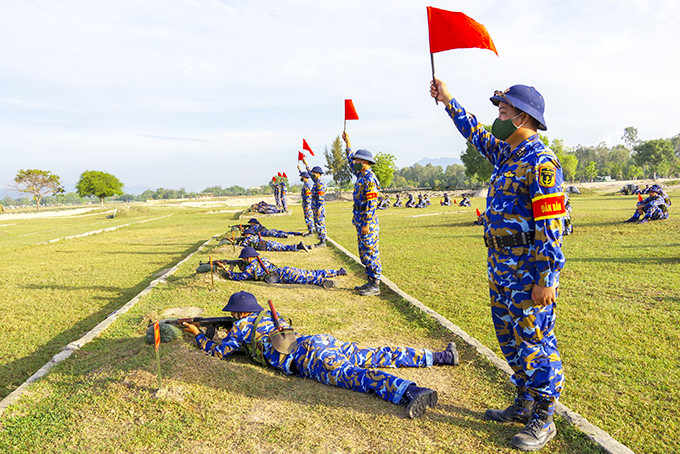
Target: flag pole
point(344, 128)
point(433, 79)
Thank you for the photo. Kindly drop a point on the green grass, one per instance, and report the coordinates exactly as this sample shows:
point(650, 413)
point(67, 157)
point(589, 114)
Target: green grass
point(616, 331)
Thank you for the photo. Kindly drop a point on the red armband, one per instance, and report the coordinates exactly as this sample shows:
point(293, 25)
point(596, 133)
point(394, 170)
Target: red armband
point(548, 206)
point(371, 195)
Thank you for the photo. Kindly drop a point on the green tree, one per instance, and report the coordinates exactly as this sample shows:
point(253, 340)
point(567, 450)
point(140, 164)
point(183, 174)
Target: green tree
point(630, 137)
point(38, 183)
point(476, 165)
point(569, 164)
point(656, 154)
point(384, 168)
point(98, 184)
point(337, 165)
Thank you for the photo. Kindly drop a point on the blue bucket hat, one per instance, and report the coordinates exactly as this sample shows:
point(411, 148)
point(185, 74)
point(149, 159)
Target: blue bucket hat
point(249, 232)
point(656, 188)
point(365, 155)
point(242, 302)
point(318, 170)
point(253, 220)
point(304, 175)
point(525, 98)
point(248, 252)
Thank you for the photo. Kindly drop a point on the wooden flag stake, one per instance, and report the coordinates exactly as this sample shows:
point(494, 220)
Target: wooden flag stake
point(157, 342)
point(434, 81)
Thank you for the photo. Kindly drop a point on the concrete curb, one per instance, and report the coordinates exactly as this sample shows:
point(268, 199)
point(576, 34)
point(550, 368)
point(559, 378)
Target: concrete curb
point(96, 331)
point(599, 436)
point(108, 229)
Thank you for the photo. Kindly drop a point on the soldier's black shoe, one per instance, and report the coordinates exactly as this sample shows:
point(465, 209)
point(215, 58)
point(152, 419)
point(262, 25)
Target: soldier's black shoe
point(362, 287)
point(327, 283)
point(372, 289)
point(519, 411)
point(448, 357)
point(418, 400)
point(321, 243)
point(633, 219)
point(302, 247)
point(342, 272)
point(643, 221)
point(538, 432)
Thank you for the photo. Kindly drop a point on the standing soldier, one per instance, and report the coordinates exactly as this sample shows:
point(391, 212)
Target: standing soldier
point(364, 216)
point(277, 199)
point(283, 193)
point(522, 231)
point(306, 198)
point(318, 202)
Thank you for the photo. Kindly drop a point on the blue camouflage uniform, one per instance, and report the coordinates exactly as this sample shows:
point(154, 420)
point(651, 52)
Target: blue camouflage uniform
point(322, 357)
point(525, 196)
point(397, 203)
point(277, 195)
point(273, 233)
point(364, 214)
point(319, 205)
point(306, 197)
point(267, 245)
point(286, 275)
point(654, 208)
point(283, 195)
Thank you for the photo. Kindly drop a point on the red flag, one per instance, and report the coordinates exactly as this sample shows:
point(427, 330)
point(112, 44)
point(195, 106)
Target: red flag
point(156, 334)
point(278, 174)
point(305, 146)
point(454, 30)
point(478, 213)
point(454, 202)
point(350, 111)
point(300, 156)
point(284, 175)
point(273, 178)
point(639, 198)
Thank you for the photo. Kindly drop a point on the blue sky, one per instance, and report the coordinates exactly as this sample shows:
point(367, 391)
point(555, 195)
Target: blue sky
point(196, 93)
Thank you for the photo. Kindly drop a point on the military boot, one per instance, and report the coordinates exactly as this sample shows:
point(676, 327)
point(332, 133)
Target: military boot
point(302, 247)
point(539, 430)
point(321, 243)
point(418, 400)
point(519, 411)
point(448, 357)
point(327, 283)
point(372, 289)
point(362, 287)
point(635, 218)
point(342, 272)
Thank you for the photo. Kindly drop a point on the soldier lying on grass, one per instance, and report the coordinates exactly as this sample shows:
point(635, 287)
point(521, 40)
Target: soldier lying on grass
point(322, 357)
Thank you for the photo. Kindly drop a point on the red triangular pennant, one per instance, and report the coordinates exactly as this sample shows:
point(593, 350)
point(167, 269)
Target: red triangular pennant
point(300, 156)
point(284, 175)
point(350, 111)
point(639, 198)
point(455, 30)
point(478, 213)
point(305, 146)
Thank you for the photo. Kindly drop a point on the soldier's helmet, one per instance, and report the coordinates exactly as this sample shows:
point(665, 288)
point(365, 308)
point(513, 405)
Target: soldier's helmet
point(656, 188)
point(365, 155)
point(248, 252)
point(317, 169)
point(525, 98)
point(242, 302)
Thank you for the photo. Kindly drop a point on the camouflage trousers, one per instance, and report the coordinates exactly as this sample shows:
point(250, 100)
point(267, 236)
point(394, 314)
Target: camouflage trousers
point(309, 217)
point(369, 253)
point(345, 365)
point(527, 340)
point(276, 246)
point(320, 222)
point(290, 275)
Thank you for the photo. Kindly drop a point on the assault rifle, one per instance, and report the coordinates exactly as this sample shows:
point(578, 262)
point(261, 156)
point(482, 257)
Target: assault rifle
point(211, 324)
point(205, 267)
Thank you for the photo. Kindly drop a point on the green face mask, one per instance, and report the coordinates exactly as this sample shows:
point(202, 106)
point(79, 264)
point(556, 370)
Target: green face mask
point(502, 129)
point(358, 167)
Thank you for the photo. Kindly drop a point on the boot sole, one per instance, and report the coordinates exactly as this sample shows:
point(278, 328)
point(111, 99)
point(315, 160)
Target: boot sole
point(369, 292)
point(420, 404)
point(523, 447)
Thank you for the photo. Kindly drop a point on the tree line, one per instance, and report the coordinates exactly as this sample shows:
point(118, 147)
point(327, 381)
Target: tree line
point(631, 160)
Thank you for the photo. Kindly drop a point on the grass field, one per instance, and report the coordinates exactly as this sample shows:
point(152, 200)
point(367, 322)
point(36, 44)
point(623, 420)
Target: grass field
point(616, 331)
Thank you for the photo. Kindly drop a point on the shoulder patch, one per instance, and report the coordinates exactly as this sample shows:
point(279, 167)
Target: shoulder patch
point(546, 175)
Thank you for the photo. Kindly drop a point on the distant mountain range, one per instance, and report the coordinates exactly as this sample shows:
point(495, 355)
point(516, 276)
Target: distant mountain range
point(442, 162)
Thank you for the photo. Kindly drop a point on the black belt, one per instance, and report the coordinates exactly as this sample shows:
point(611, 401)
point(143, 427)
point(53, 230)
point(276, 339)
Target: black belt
point(503, 241)
point(361, 207)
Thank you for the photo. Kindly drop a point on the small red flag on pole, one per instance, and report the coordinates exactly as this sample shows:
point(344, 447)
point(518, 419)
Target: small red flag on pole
point(284, 175)
point(454, 30)
point(305, 146)
point(278, 174)
point(350, 112)
point(157, 342)
point(300, 156)
point(273, 178)
point(478, 213)
point(639, 198)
